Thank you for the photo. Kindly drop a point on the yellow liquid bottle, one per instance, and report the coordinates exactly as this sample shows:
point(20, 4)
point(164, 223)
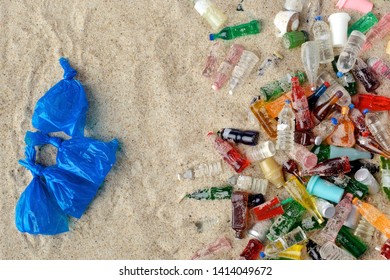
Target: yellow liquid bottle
point(267, 123)
point(211, 13)
point(294, 252)
point(298, 191)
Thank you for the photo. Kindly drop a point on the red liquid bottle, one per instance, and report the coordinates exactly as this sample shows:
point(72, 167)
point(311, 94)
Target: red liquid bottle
point(252, 250)
point(303, 119)
point(365, 75)
point(322, 111)
point(330, 167)
point(307, 138)
point(240, 213)
point(371, 102)
point(229, 154)
point(291, 166)
point(385, 250)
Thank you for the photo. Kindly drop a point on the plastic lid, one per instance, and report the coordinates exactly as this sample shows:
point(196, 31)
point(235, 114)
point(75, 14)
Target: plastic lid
point(287, 101)
point(365, 111)
point(351, 106)
point(339, 74)
point(318, 18)
point(262, 255)
point(334, 121)
point(372, 60)
point(318, 140)
point(211, 37)
point(327, 84)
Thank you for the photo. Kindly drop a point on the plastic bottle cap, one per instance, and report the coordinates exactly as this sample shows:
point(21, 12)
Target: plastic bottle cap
point(339, 74)
point(318, 18)
point(318, 140)
point(365, 111)
point(262, 255)
point(351, 106)
point(326, 84)
point(287, 101)
point(334, 121)
point(211, 37)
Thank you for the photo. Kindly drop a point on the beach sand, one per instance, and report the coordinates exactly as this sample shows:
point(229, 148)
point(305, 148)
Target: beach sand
point(140, 63)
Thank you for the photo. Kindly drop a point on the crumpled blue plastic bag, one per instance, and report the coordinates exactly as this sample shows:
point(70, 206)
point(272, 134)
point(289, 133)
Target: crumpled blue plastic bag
point(63, 107)
point(85, 157)
point(72, 193)
point(36, 212)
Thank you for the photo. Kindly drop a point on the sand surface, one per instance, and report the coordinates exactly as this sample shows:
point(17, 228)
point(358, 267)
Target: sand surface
point(140, 63)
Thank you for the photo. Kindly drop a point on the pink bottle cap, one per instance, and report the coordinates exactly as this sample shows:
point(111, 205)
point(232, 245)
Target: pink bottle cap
point(363, 6)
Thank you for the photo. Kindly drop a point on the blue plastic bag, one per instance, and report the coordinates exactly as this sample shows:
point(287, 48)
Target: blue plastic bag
point(63, 107)
point(72, 193)
point(84, 157)
point(36, 211)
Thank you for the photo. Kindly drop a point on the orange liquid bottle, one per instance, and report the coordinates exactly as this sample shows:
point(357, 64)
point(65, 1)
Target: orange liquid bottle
point(267, 123)
point(375, 217)
point(343, 135)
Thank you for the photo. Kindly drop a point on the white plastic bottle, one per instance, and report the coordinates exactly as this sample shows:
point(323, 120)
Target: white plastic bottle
point(211, 13)
point(323, 37)
point(286, 128)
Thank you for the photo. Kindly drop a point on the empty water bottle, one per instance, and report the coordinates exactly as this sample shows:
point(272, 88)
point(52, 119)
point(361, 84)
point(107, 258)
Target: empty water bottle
point(350, 51)
point(286, 128)
point(242, 70)
point(323, 37)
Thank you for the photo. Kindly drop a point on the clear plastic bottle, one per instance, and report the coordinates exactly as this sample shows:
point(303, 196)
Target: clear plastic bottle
point(226, 67)
point(323, 37)
point(350, 51)
point(325, 128)
point(262, 151)
point(211, 13)
point(260, 229)
point(242, 70)
point(303, 119)
point(282, 243)
point(377, 129)
point(310, 56)
point(249, 183)
point(380, 67)
point(330, 251)
point(211, 61)
point(202, 170)
point(314, 8)
point(268, 63)
point(286, 128)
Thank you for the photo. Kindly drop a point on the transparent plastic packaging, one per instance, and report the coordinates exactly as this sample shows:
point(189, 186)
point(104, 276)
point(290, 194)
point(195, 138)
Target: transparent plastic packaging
point(350, 51)
point(286, 128)
point(323, 37)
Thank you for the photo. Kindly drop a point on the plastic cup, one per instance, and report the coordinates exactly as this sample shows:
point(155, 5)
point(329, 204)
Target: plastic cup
point(364, 176)
point(339, 27)
point(286, 21)
point(324, 189)
point(363, 6)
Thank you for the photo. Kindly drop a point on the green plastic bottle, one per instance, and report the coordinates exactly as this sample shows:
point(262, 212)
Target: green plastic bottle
point(232, 32)
point(351, 242)
point(364, 24)
point(212, 193)
point(351, 185)
point(293, 212)
point(324, 152)
point(385, 169)
point(275, 89)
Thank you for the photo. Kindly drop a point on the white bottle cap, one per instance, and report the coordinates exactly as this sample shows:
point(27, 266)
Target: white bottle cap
point(339, 26)
point(326, 209)
point(353, 218)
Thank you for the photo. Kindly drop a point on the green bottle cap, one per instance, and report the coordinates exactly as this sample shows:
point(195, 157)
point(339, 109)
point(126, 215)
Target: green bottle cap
point(364, 24)
point(294, 39)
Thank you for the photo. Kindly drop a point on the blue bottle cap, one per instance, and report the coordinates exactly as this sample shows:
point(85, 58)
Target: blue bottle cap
point(351, 106)
point(211, 37)
point(334, 121)
point(365, 111)
point(262, 255)
point(288, 101)
point(318, 18)
point(339, 74)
